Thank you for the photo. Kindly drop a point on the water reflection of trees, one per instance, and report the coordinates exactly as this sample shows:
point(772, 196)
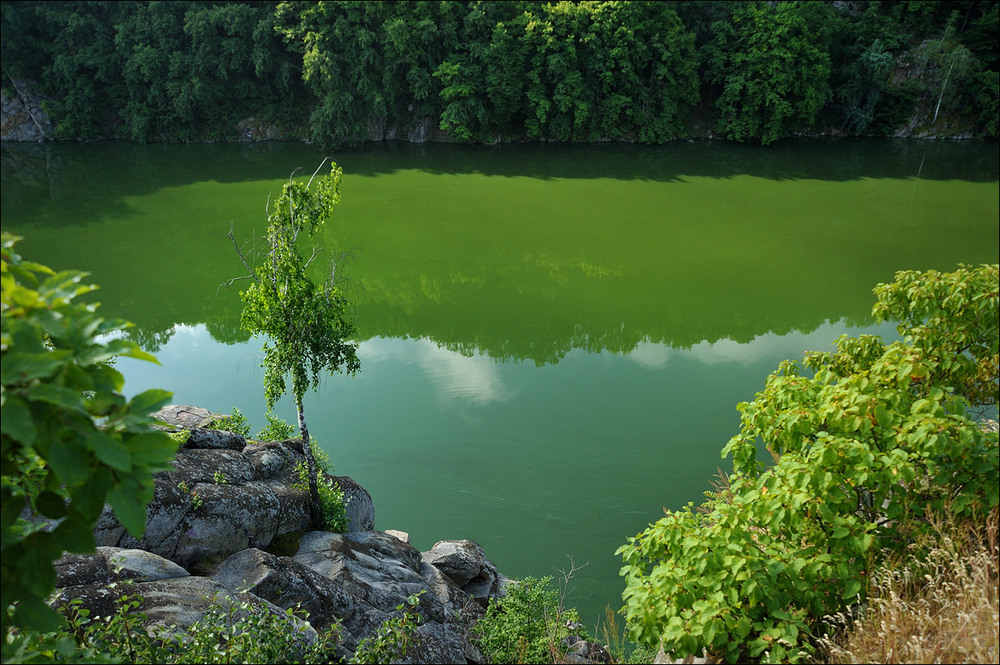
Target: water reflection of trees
point(81, 174)
point(495, 310)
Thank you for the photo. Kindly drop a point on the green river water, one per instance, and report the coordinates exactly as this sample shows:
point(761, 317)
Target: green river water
point(554, 338)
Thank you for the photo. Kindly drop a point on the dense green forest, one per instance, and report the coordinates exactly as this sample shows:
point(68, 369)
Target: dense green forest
point(496, 71)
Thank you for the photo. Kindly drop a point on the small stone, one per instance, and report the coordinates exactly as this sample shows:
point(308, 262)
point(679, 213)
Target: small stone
point(402, 535)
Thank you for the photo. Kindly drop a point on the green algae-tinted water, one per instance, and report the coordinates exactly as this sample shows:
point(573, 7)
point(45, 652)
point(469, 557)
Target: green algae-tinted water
point(553, 338)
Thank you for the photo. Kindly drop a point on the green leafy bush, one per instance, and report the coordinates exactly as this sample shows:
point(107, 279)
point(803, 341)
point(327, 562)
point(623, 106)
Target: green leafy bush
point(231, 631)
point(70, 439)
point(774, 71)
point(527, 625)
point(235, 422)
point(878, 436)
point(394, 637)
point(276, 430)
point(332, 505)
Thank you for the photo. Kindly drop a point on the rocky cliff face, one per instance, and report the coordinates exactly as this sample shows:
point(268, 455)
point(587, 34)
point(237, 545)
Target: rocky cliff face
point(248, 539)
point(21, 115)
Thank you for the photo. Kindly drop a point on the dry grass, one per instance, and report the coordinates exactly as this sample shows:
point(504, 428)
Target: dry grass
point(939, 605)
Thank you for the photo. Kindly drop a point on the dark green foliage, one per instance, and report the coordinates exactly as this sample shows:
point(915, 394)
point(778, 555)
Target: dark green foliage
point(571, 71)
point(896, 108)
point(153, 70)
point(774, 71)
point(987, 100)
point(342, 71)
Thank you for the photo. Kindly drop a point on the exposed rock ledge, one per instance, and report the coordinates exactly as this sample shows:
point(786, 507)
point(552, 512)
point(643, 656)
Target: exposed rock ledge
point(206, 543)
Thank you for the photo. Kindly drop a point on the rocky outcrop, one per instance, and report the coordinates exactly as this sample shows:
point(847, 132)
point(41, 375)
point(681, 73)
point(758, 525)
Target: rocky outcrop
point(225, 494)
point(465, 563)
point(217, 512)
point(22, 117)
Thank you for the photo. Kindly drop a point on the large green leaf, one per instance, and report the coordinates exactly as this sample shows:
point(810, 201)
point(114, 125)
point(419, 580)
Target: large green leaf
point(15, 420)
point(129, 502)
point(57, 395)
point(151, 450)
point(23, 367)
point(69, 459)
point(33, 614)
point(51, 505)
point(75, 534)
point(149, 401)
point(110, 450)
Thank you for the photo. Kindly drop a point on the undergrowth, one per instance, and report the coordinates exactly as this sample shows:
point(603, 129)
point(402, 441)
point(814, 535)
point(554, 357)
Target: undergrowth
point(236, 630)
point(527, 625)
point(936, 604)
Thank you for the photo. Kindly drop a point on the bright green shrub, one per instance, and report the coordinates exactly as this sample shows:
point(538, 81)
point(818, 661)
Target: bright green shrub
point(332, 504)
point(875, 438)
point(276, 430)
point(235, 422)
point(527, 625)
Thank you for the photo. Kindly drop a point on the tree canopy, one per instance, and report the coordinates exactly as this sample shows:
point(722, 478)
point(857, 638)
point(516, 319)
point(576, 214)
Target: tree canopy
point(337, 71)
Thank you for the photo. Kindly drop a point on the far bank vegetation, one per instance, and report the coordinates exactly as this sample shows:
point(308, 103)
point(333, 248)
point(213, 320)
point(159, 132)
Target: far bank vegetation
point(651, 72)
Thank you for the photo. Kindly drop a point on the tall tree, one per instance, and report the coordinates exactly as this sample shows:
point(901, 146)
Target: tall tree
point(308, 324)
point(774, 71)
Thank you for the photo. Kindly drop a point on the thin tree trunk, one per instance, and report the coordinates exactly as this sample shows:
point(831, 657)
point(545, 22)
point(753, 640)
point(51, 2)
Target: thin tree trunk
point(314, 512)
point(943, 86)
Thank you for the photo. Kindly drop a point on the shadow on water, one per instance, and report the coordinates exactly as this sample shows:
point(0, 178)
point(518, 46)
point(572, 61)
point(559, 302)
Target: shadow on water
point(81, 173)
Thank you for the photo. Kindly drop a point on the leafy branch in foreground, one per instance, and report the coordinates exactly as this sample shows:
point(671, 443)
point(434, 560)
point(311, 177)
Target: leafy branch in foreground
point(70, 439)
point(877, 438)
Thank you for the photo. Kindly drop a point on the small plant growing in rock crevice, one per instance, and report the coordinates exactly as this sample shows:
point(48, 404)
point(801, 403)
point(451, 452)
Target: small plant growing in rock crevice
point(394, 637)
point(232, 630)
point(219, 478)
point(236, 631)
point(235, 422)
point(196, 500)
point(332, 505)
point(180, 436)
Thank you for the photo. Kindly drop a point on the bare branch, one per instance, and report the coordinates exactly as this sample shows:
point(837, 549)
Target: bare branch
point(239, 252)
point(315, 253)
point(567, 575)
point(229, 282)
point(309, 184)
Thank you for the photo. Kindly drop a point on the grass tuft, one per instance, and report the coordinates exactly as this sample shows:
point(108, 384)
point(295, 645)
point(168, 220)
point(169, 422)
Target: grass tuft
point(938, 605)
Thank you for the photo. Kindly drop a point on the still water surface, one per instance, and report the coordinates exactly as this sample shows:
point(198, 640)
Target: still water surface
point(553, 338)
